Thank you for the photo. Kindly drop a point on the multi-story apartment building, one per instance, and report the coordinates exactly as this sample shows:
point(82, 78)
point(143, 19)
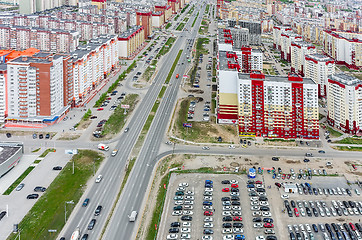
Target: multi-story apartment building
point(250, 59)
point(318, 67)
point(131, 41)
point(298, 52)
point(20, 38)
point(3, 87)
point(266, 106)
point(277, 33)
point(286, 40)
point(343, 47)
point(344, 101)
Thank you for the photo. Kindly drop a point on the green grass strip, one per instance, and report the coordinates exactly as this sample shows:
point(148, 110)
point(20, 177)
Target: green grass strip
point(195, 20)
point(173, 67)
point(168, 25)
point(18, 181)
point(350, 140)
point(46, 152)
point(48, 211)
point(180, 26)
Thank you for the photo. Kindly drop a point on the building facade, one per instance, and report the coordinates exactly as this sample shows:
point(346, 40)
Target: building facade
point(344, 101)
point(298, 52)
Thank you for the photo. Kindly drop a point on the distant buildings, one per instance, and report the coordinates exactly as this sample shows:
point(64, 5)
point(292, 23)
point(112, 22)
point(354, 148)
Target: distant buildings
point(299, 49)
point(344, 100)
point(31, 6)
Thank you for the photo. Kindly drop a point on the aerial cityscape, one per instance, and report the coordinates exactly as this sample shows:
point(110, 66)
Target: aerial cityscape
point(136, 120)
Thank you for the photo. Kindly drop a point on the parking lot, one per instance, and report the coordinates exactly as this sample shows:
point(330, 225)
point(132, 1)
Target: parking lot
point(263, 215)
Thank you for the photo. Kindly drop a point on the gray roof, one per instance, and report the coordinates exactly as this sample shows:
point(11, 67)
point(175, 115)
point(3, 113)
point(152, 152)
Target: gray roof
point(345, 79)
point(7, 151)
point(223, 61)
point(272, 78)
point(319, 57)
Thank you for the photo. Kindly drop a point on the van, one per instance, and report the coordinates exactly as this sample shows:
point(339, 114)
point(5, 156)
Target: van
point(133, 216)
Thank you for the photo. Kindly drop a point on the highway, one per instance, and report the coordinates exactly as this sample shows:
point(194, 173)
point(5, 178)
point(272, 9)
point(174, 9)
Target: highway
point(104, 193)
point(135, 190)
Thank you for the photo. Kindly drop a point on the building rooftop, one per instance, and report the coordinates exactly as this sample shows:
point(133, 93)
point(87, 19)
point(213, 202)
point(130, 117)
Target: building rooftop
point(7, 151)
point(292, 78)
point(345, 79)
point(129, 32)
point(319, 57)
point(225, 62)
point(303, 44)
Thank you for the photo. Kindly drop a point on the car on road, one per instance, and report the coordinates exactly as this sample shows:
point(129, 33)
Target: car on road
point(98, 210)
point(114, 152)
point(100, 109)
point(205, 148)
point(32, 196)
point(99, 178)
point(2, 215)
point(85, 236)
point(39, 189)
point(85, 202)
point(20, 186)
point(91, 224)
point(126, 129)
point(57, 168)
point(8, 135)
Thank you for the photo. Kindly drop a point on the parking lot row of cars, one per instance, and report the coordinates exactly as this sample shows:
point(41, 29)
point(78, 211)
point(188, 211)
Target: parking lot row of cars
point(302, 174)
point(321, 208)
point(325, 231)
point(261, 214)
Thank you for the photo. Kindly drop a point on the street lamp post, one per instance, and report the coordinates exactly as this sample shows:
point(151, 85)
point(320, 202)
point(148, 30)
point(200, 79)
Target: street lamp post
point(65, 209)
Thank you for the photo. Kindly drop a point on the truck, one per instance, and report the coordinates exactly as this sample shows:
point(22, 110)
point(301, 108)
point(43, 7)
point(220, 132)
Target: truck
point(103, 147)
point(133, 216)
point(75, 235)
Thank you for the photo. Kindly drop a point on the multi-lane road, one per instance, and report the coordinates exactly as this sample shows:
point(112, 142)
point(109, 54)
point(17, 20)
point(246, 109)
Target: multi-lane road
point(105, 192)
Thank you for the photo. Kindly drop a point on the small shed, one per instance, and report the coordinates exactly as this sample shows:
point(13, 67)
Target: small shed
point(290, 188)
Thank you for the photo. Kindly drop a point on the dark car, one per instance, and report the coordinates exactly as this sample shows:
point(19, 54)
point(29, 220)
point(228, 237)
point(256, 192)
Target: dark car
point(186, 218)
point(235, 203)
point(91, 224)
point(47, 136)
point(41, 136)
point(98, 210)
point(85, 203)
point(177, 208)
point(315, 228)
point(206, 203)
point(335, 227)
point(179, 193)
point(234, 189)
point(253, 194)
point(264, 208)
point(227, 225)
point(269, 220)
point(250, 186)
point(225, 182)
point(85, 236)
point(358, 226)
point(238, 225)
point(2, 214)
point(227, 219)
point(35, 136)
point(328, 227)
point(345, 203)
point(275, 158)
point(271, 238)
point(257, 219)
point(208, 231)
point(292, 236)
point(39, 189)
point(286, 203)
point(225, 199)
point(309, 212)
point(315, 212)
point(278, 184)
point(57, 168)
point(235, 198)
point(262, 198)
point(299, 237)
point(32, 196)
point(175, 224)
point(260, 189)
point(292, 203)
point(8, 135)
point(173, 230)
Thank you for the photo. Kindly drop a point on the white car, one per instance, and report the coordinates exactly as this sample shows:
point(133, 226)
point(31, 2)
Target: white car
point(179, 202)
point(357, 192)
point(226, 208)
point(254, 203)
point(260, 238)
point(207, 198)
point(180, 189)
point(231, 146)
point(302, 212)
point(208, 225)
point(234, 194)
point(185, 230)
point(236, 208)
point(209, 189)
point(258, 225)
point(284, 196)
point(172, 236)
point(205, 148)
point(185, 236)
point(226, 213)
point(176, 213)
point(236, 213)
point(189, 202)
point(233, 181)
point(266, 214)
point(256, 214)
point(228, 237)
point(308, 228)
point(227, 230)
point(189, 193)
point(190, 197)
point(208, 219)
point(99, 178)
point(186, 224)
point(238, 230)
point(188, 207)
point(264, 203)
point(207, 207)
point(207, 238)
point(184, 184)
point(188, 212)
point(255, 208)
point(254, 199)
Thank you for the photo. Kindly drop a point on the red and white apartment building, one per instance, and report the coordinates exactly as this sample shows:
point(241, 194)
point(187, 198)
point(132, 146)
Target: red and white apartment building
point(286, 40)
point(318, 67)
point(344, 100)
point(277, 35)
point(299, 49)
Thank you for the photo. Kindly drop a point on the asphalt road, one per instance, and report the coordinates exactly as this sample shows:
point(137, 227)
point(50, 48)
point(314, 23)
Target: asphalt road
point(134, 192)
point(104, 193)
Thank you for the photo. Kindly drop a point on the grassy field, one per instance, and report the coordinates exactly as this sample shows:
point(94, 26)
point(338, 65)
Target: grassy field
point(117, 120)
point(166, 47)
point(85, 118)
point(18, 181)
point(345, 148)
point(350, 140)
point(173, 67)
point(180, 26)
point(48, 211)
point(333, 133)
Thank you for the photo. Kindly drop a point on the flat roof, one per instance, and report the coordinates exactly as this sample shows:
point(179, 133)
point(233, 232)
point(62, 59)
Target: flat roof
point(7, 151)
point(273, 78)
point(319, 57)
point(345, 79)
point(223, 61)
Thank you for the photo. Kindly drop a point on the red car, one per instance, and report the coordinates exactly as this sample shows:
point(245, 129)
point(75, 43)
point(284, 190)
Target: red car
point(352, 226)
point(234, 185)
point(283, 176)
point(208, 213)
point(268, 225)
point(237, 218)
point(278, 184)
point(354, 167)
point(100, 109)
point(109, 98)
point(296, 212)
point(226, 189)
point(258, 182)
